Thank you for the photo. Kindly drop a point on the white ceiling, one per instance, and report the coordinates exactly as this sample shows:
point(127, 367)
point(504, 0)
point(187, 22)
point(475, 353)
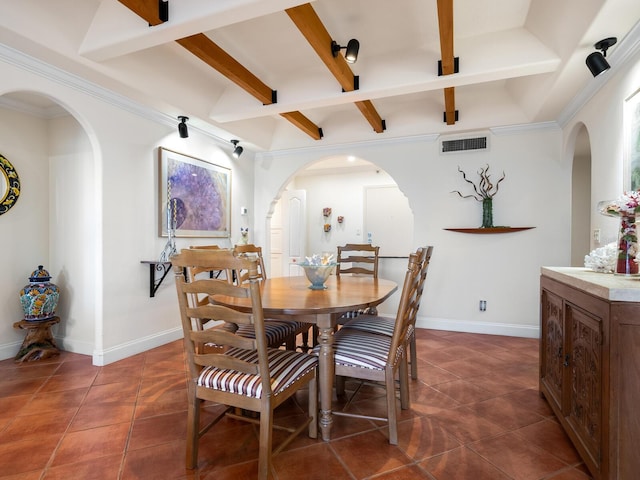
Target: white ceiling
point(521, 61)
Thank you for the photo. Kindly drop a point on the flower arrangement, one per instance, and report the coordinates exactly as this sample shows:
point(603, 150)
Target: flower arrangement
point(627, 204)
point(627, 207)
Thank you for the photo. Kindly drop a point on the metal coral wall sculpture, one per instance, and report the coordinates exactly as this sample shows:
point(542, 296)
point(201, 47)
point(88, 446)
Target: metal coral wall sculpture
point(485, 190)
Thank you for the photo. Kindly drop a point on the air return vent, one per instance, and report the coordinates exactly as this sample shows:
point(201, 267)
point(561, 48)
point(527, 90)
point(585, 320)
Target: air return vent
point(464, 144)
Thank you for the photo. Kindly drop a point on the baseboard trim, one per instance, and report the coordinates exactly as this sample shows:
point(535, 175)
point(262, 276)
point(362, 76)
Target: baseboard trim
point(9, 350)
point(467, 326)
point(124, 350)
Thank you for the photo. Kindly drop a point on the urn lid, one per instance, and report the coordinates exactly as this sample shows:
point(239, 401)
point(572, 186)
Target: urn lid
point(40, 275)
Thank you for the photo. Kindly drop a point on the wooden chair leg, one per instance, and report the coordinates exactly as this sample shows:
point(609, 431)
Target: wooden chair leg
point(392, 416)
point(193, 428)
point(414, 356)
point(403, 372)
point(264, 450)
point(313, 407)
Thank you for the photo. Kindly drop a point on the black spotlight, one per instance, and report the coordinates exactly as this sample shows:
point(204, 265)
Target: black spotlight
point(596, 61)
point(182, 126)
point(352, 48)
point(237, 151)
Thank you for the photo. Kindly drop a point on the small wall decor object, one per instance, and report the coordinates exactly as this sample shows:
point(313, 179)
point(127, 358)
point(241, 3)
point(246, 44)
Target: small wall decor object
point(627, 207)
point(9, 185)
point(39, 298)
point(340, 219)
point(326, 211)
point(244, 235)
point(485, 190)
point(327, 227)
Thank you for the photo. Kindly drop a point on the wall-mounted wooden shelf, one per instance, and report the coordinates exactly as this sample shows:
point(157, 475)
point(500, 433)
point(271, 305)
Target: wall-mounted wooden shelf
point(489, 230)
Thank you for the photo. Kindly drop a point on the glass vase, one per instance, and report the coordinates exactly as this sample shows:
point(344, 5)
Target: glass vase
point(627, 246)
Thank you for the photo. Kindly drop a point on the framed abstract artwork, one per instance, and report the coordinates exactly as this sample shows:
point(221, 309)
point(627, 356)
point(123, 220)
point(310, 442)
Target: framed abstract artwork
point(632, 142)
point(194, 196)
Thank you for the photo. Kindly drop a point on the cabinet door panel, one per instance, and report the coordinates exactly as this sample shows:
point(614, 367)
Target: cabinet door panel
point(552, 352)
point(584, 332)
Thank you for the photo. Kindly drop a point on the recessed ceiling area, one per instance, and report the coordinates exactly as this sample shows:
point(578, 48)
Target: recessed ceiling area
point(518, 61)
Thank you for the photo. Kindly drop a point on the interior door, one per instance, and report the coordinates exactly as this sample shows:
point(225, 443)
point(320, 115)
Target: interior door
point(294, 230)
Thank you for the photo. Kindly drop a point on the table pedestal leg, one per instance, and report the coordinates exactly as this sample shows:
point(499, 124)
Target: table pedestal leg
point(327, 369)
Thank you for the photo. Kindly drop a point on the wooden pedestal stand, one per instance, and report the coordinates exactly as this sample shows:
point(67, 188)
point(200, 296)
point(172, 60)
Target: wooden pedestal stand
point(39, 343)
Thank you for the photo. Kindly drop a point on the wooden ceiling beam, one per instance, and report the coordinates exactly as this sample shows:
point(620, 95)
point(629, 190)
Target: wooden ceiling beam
point(310, 25)
point(153, 11)
point(445, 25)
point(371, 114)
point(214, 56)
point(304, 124)
point(209, 52)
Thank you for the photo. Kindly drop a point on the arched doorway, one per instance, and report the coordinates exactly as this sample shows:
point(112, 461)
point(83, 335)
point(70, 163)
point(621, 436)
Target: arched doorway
point(55, 222)
point(581, 198)
point(342, 184)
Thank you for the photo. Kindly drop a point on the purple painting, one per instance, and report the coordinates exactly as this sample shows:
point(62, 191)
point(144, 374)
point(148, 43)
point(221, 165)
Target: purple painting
point(195, 196)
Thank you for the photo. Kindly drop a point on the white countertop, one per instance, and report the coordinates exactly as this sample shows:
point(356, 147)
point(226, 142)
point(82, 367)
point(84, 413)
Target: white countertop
point(611, 287)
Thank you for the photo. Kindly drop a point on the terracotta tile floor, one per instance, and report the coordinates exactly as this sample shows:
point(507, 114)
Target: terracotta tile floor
point(475, 414)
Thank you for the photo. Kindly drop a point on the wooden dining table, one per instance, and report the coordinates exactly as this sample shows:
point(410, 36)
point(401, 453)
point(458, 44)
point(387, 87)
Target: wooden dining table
point(291, 297)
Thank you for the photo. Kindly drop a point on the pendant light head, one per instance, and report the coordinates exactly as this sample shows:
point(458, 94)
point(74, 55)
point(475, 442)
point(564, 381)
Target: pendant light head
point(182, 126)
point(596, 61)
point(237, 151)
point(352, 49)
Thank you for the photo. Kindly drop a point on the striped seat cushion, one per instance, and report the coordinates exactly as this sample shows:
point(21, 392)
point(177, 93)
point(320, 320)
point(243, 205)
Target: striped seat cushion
point(353, 348)
point(276, 331)
point(373, 324)
point(285, 366)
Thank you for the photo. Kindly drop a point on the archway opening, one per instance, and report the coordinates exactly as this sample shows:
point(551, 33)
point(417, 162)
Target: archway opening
point(581, 198)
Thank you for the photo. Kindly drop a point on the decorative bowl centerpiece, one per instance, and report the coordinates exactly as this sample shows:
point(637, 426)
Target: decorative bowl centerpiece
point(317, 268)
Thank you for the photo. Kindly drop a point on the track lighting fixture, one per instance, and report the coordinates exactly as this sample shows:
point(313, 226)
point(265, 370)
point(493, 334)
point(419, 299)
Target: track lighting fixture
point(596, 61)
point(237, 151)
point(352, 48)
point(182, 126)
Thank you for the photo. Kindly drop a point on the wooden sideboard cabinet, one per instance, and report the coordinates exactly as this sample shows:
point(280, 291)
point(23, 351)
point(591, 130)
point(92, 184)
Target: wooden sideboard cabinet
point(590, 365)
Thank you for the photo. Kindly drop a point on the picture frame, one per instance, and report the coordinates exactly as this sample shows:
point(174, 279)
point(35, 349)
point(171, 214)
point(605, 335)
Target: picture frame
point(632, 142)
point(194, 196)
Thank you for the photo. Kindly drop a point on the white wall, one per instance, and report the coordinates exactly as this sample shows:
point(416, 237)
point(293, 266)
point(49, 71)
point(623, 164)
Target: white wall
point(123, 183)
point(603, 116)
point(24, 228)
point(502, 269)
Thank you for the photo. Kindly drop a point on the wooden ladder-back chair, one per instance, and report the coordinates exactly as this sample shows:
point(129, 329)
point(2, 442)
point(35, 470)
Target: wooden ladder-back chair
point(246, 374)
point(380, 358)
point(284, 330)
point(385, 326)
point(358, 259)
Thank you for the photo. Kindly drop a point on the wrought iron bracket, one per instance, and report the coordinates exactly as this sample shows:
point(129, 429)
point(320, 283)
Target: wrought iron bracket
point(156, 267)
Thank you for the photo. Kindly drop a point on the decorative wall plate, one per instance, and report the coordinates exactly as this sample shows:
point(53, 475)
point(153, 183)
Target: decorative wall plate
point(9, 185)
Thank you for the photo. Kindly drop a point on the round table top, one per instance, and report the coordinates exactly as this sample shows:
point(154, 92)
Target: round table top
point(292, 295)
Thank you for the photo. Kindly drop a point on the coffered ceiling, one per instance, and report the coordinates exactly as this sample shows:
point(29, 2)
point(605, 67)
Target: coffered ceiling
point(262, 70)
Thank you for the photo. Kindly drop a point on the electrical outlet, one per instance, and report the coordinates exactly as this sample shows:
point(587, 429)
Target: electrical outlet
point(483, 305)
point(596, 235)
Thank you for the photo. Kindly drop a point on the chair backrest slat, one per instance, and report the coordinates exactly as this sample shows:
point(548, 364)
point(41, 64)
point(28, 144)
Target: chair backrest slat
point(358, 258)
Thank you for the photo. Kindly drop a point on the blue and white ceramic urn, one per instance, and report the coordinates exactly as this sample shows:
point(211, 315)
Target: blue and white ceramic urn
point(39, 299)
